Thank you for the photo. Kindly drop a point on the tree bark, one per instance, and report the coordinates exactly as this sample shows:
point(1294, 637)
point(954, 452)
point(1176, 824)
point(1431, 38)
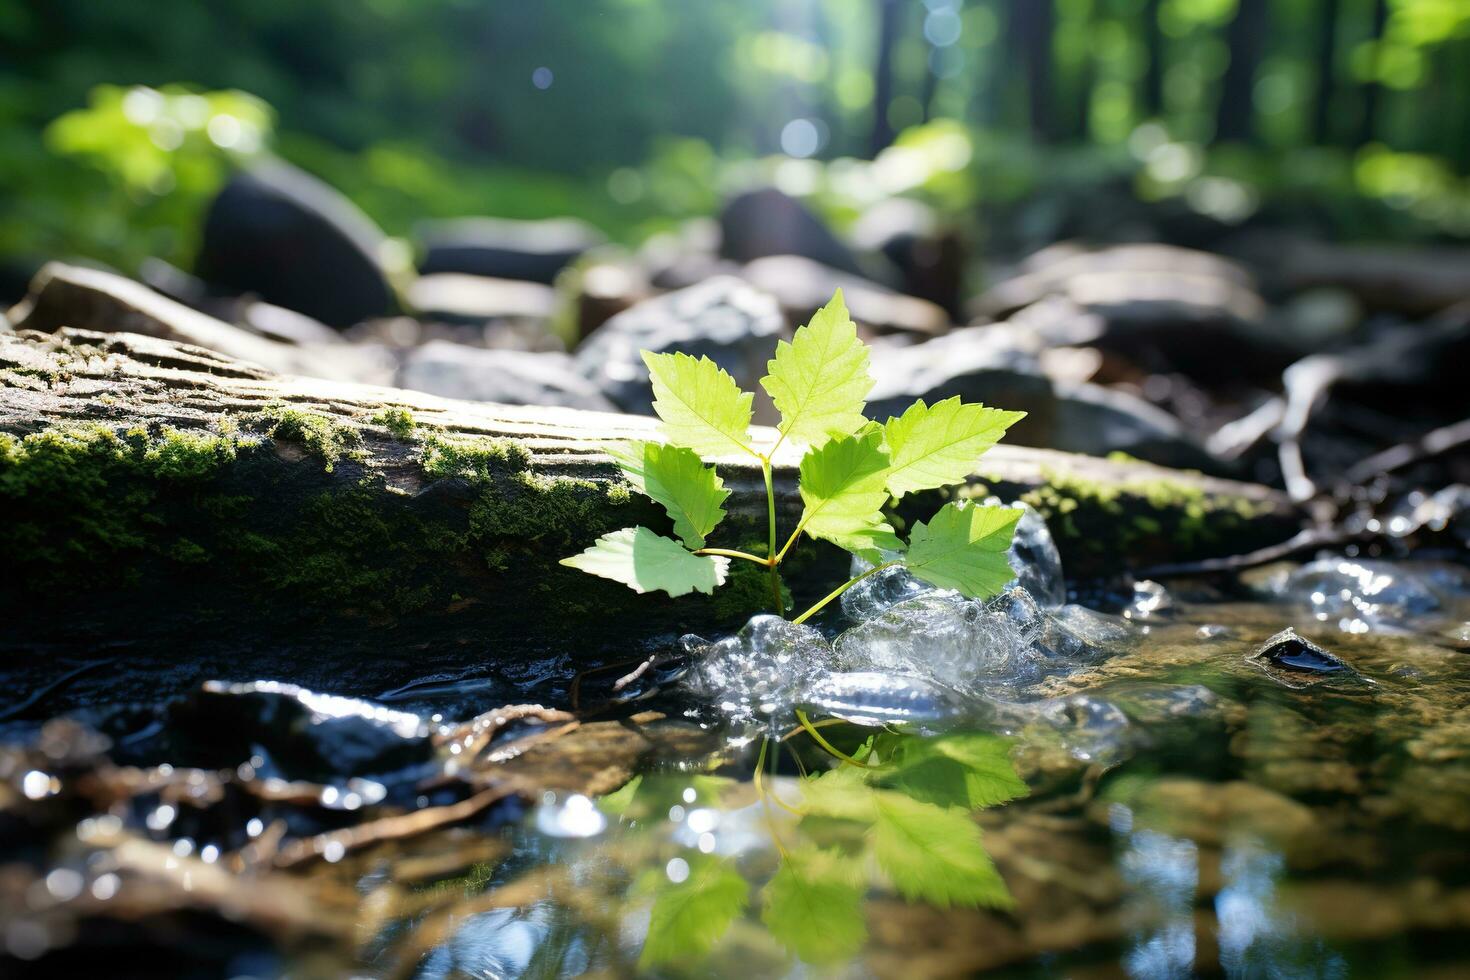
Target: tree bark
point(1245, 37)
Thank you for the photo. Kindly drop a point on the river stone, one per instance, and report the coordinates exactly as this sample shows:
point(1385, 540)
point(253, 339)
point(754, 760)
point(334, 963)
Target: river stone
point(1296, 662)
point(453, 297)
point(501, 248)
point(766, 222)
point(507, 377)
point(279, 233)
point(929, 257)
point(803, 286)
point(306, 735)
point(723, 319)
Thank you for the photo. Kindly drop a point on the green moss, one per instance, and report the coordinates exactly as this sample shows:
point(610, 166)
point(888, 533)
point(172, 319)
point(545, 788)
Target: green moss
point(442, 457)
point(323, 437)
point(399, 421)
point(1137, 517)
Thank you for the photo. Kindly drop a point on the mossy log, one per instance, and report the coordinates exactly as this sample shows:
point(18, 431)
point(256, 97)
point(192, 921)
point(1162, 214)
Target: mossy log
point(167, 505)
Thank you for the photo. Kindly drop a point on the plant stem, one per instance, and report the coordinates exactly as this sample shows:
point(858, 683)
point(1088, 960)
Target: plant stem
point(787, 546)
point(726, 552)
point(841, 589)
point(831, 749)
point(772, 559)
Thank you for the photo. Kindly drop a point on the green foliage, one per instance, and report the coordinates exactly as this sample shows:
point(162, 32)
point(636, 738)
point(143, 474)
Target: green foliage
point(701, 406)
point(819, 382)
point(842, 487)
point(814, 906)
point(690, 916)
point(648, 562)
point(937, 446)
point(676, 478)
point(970, 770)
point(964, 547)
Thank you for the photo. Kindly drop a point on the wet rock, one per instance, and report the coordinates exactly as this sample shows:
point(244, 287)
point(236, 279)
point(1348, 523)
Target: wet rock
point(458, 298)
point(501, 248)
point(723, 319)
point(1410, 281)
point(766, 222)
point(305, 735)
point(930, 259)
point(506, 377)
point(875, 699)
point(757, 676)
point(803, 286)
point(975, 364)
point(1296, 662)
point(1357, 595)
point(281, 234)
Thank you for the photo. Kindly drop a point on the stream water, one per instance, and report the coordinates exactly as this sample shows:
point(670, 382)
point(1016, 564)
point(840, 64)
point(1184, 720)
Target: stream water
point(1164, 787)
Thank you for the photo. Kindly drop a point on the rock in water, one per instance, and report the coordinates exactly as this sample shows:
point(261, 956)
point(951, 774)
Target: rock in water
point(1357, 595)
point(1296, 662)
point(758, 675)
point(507, 377)
point(722, 319)
point(768, 222)
point(504, 249)
point(285, 236)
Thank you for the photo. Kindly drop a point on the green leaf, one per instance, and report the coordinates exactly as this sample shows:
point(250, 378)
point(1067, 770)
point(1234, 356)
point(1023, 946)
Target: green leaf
point(702, 407)
point(970, 770)
point(688, 918)
point(842, 488)
point(936, 446)
point(676, 477)
point(814, 905)
point(647, 562)
point(934, 854)
point(964, 548)
point(820, 381)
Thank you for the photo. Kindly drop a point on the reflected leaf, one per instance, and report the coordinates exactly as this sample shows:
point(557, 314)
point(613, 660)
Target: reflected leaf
point(653, 795)
point(934, 854)
point(690, 916)
point(814, 905)
point(971, 770)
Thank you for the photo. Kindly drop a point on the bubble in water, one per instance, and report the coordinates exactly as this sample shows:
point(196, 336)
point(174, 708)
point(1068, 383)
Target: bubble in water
point(1358, 595)
point(756, 675)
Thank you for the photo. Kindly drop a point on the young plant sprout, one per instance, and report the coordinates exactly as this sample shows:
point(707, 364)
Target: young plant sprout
point(852, 467)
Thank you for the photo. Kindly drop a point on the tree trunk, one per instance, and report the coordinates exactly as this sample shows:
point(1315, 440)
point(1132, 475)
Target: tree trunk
point(1245, 37)
point(1327, 23)
point(1368, 123)
point(1031, 25)
point(889, 12)
point(1153, 72)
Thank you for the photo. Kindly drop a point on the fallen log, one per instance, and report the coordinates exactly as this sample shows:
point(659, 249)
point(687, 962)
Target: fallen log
point(193, 516)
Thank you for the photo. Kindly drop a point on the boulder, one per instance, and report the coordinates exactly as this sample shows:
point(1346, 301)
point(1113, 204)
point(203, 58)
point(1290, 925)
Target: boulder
point(723, 319)
point(765, 222)
point(280, 234)
point(506, 377)
point(803, 286)
point(501, 248)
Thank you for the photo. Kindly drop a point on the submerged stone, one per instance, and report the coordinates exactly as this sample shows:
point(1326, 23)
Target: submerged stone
point(1297, 662)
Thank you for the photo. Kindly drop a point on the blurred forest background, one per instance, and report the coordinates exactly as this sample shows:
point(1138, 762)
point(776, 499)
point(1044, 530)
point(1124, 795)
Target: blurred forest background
point(119, 120)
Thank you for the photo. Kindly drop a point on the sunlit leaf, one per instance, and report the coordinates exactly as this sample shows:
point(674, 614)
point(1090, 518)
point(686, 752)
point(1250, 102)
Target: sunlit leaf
point(652, 795)
point(702, 407)
point(842, 488)
point(814, 905)
point(647, 562)
point(620, 800)
point(820, 380)
point(689, 917)
point(938, 445)
point(969, 770)
point(964, 548)
point(674, 476)
point(934, 854)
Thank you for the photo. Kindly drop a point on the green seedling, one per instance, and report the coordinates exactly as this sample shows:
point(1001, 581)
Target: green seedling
point(851, 469)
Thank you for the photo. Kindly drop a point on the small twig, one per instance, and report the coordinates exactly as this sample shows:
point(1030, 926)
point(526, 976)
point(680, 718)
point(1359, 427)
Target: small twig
point(1435, 443)
point(1302, 541)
